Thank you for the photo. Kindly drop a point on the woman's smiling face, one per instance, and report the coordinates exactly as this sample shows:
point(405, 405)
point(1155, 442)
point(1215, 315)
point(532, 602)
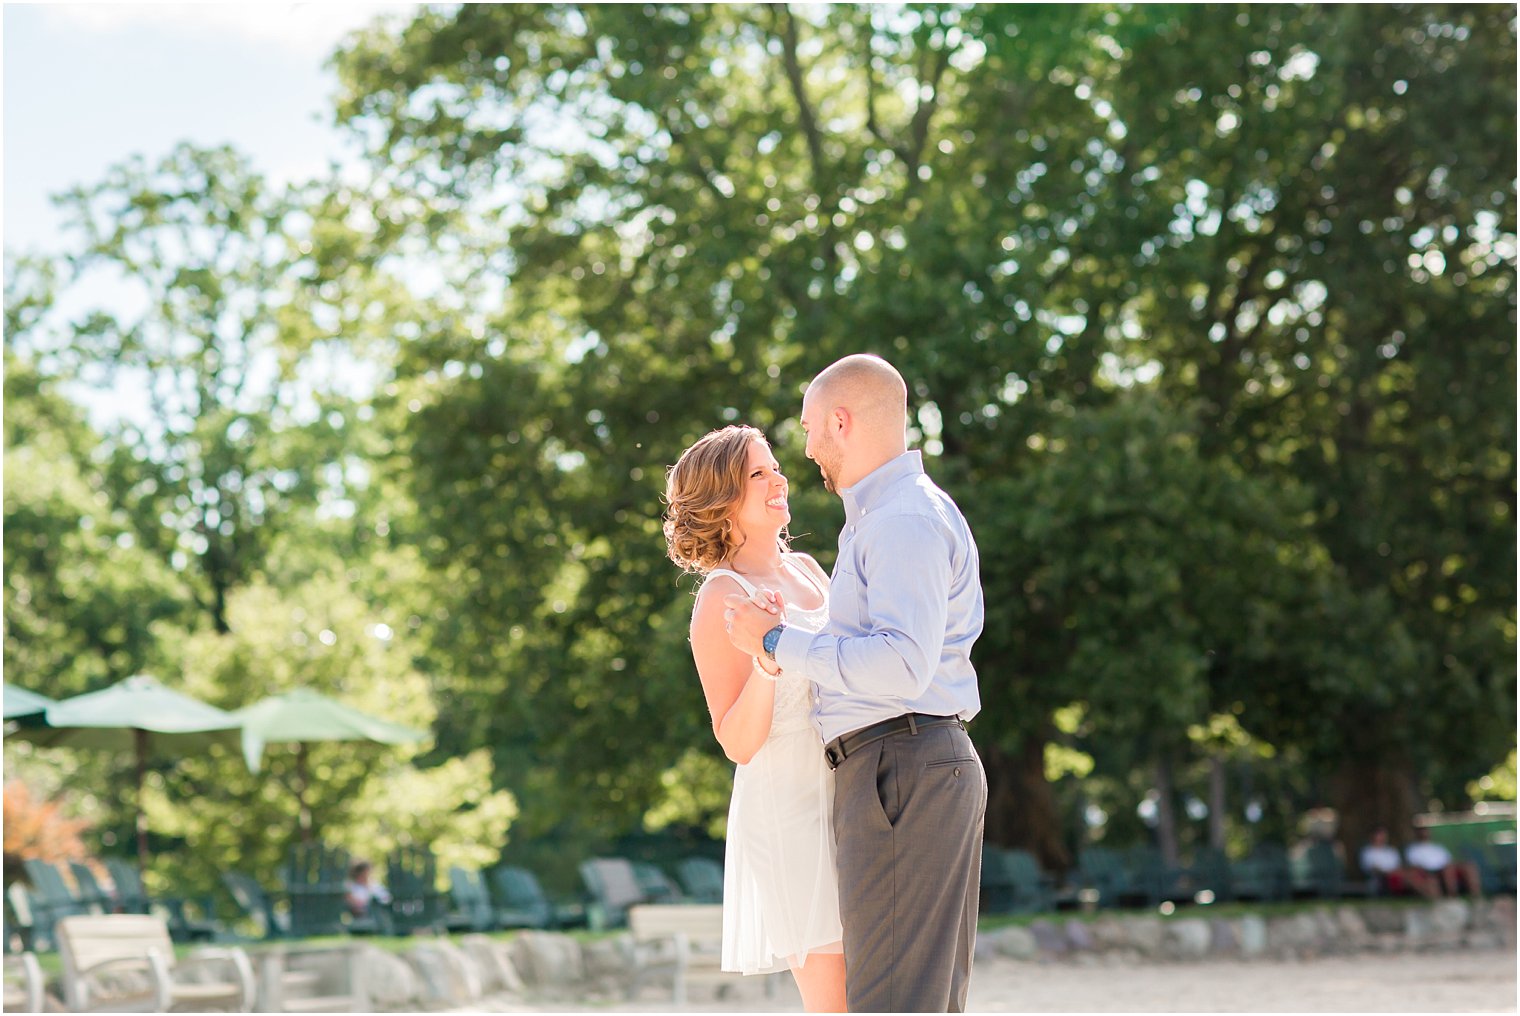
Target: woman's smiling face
point(762, 509)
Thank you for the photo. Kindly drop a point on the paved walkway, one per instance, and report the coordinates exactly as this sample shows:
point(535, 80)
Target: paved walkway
point(1479, 981)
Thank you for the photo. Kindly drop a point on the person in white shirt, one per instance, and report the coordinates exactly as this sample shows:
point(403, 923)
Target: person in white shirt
point(1381, 860)
point(361, 892)
point(1432, 858)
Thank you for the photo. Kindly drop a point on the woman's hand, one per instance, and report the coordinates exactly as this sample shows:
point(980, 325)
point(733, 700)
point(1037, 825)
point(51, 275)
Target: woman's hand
point(748, 618)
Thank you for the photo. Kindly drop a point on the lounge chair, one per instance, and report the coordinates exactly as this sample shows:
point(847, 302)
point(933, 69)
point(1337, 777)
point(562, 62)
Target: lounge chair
point(411, 875)
point(1101, 870)
point(472, 901)
point(614, 887)
point(657, 886)
point(1263, 874)
point(314, 884)
point(126, 963)
point(702, 878)
point(258, 903)
point(90, 892)
point(1012, 882)
point(23, 983)
point(1156, 880)
point(132, 898)
point(1327, 876)
point(521, 902)
point(46, 899)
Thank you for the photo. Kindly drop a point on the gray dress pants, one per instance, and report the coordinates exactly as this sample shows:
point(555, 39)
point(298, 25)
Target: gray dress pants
point(908, 816)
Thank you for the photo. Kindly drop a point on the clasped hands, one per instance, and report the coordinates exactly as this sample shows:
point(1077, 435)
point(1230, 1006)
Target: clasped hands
point(748, 618)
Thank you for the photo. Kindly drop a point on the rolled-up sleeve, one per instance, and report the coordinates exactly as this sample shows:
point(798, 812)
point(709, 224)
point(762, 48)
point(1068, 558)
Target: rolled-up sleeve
point(903, 567)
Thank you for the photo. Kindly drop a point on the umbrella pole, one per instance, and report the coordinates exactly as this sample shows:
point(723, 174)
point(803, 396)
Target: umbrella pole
point(140, 736)
point(305, 812)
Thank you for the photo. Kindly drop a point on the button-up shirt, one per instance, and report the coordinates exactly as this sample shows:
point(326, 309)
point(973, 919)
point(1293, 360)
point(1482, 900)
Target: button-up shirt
point(905, 606)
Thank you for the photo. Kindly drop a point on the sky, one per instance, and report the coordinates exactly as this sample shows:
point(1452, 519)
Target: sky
point(89, 85)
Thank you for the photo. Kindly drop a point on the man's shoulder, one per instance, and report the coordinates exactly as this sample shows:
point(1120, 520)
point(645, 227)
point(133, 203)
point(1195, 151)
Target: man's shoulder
point(917, 494)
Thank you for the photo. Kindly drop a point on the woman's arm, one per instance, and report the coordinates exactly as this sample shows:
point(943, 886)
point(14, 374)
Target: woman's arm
point(740, 702)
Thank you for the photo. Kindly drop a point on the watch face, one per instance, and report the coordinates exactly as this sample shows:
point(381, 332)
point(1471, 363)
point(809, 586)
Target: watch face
point(771, 639)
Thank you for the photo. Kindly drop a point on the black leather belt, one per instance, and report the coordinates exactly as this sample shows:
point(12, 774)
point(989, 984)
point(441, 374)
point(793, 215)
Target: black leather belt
point(842, 747)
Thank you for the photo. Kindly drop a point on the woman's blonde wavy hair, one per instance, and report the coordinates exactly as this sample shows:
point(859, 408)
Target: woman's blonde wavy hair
point(701, 491)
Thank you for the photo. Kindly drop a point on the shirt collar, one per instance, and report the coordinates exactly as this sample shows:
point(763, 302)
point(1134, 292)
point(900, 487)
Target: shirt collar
point(869, 491)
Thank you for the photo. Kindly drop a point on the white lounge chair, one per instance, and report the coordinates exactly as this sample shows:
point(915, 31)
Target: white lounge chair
point(23, 983)
point(126, 963)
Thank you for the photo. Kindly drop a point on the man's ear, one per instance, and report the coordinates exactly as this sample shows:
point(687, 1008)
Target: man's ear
point(841, 420)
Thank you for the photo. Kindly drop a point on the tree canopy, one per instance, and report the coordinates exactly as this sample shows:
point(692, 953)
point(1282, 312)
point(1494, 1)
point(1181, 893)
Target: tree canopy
point(1207, 316)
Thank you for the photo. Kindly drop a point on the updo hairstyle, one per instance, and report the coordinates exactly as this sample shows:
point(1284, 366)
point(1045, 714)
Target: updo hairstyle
point(701, 491)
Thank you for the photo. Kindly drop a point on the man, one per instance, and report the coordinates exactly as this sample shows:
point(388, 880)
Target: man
point(894, 689)
point(1436, 861)
point(1380, 860)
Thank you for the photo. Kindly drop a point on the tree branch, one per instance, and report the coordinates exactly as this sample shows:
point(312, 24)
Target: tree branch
point(787, 25)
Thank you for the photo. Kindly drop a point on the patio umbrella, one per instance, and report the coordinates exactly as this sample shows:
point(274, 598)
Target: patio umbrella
point(303, 716)
point(19, 702)
point(139, 715)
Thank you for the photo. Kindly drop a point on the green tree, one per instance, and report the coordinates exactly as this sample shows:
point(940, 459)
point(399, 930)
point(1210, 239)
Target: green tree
point(180, 303)
point(1029, 210)
point(1336, 290)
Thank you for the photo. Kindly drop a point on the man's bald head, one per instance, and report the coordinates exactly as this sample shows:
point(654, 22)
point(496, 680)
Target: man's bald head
point(868, 386)
point(856, 416)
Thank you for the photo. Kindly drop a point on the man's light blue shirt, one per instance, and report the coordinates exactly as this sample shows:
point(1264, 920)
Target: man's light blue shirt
point(905, 606)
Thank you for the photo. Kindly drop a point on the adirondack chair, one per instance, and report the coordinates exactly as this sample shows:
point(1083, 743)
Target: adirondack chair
point(1102, 870)
point(472, 900)
point(127, 962)
point(1502, 858)
point(1211, 872)
point(314, 875)
point(411, 874)
point(132, 898)
point(95, 898)
point(702, 878)
point(19, 934)
point(1327, 876)
point(1262, 875)
point(1012, 882)
point(1156, 880)
point(614, 887)
point(23, 983)
point(657, 886)
point(258, 903)
point(47, 899)
point(521, 902)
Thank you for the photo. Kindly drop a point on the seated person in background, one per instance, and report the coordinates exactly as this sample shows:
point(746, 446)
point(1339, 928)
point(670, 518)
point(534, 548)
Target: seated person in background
point(1380, 860)
point(360, 890)
point(1436, 861)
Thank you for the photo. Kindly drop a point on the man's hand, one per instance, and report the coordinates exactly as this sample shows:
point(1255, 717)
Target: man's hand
point(748, 619)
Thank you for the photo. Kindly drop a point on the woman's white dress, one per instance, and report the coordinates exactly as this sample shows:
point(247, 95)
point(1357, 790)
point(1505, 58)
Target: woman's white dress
point(780, 888)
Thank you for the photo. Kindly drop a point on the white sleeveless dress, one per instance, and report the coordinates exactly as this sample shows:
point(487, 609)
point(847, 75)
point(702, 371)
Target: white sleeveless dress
point(780, 887)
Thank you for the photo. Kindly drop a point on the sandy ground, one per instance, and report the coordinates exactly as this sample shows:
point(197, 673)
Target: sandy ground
point(1481, 981)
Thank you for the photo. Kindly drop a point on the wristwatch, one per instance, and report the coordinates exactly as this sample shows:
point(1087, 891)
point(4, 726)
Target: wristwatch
point(770, 640)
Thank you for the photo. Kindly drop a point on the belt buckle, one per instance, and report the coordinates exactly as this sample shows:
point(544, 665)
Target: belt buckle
point(833, 755)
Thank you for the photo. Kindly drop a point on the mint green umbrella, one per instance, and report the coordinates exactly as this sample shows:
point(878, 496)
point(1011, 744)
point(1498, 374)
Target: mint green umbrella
point(138, 715)
point(19, 702)
point(302, 716)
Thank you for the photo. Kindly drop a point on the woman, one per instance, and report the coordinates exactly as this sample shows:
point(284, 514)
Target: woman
point(726, 520)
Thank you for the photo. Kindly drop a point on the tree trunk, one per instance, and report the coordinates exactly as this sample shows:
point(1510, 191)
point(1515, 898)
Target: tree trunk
point(1021, 808)
point(1166, 811)
point(1368, 793)
point(1216, 802)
